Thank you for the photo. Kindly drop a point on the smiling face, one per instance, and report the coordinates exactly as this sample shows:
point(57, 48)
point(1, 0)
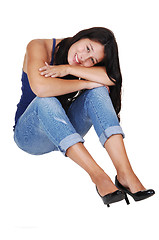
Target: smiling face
point(85, 52)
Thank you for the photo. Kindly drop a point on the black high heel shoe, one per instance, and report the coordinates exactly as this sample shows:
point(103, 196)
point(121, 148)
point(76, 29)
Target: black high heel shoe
point(138, 196)
point(112, 197)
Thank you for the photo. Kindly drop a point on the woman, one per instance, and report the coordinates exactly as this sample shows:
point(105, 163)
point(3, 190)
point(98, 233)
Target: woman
point(68, 85)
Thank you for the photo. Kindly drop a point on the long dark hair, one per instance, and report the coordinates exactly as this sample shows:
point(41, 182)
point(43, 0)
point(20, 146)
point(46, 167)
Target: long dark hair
point(110, 61)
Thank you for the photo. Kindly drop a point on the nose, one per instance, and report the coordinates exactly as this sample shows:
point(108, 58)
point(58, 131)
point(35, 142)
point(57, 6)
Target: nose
point(84, 57)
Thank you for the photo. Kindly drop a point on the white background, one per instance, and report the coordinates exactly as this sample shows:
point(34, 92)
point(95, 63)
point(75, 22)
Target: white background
point(49, 196)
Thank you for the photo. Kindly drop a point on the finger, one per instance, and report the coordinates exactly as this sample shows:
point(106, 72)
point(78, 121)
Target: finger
point(44, 72)
point(54, 75)
point(43, 68)
point(48, 74)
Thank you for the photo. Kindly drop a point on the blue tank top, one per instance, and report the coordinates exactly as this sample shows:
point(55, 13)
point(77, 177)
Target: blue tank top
point(28, 95)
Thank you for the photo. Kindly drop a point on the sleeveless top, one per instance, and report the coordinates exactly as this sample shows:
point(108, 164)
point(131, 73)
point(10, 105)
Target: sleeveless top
point(28, 95)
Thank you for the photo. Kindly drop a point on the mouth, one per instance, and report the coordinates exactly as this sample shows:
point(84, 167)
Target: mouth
point(76, 59)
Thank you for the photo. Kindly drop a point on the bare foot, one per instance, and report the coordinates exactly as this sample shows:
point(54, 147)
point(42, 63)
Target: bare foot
point(131, 182)
point(105, 185)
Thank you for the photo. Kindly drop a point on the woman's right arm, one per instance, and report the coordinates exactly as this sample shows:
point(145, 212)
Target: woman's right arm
point(36, 57)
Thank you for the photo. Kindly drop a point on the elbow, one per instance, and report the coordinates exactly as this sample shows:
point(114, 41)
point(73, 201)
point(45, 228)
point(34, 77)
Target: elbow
point(112, 82)
point(42, 92)
point(38, 90)
point(109, 83)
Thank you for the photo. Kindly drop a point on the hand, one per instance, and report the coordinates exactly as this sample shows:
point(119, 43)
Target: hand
point(54, 71)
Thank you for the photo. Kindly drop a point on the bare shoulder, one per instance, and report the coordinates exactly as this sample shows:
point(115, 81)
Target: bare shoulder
point(42, 44)
point(37, 49)
point(38, 46)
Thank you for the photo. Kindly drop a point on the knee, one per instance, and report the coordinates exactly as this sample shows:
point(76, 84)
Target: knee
point(98, 92)
point(46, 101)
point(100, 97)
point(49, 103)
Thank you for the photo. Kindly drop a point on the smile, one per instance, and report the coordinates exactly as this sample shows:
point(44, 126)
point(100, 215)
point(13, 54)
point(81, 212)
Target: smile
point(76, 59)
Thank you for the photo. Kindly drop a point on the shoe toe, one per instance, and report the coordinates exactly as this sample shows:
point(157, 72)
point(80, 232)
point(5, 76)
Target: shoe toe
point(150, 192)
point(141, 195)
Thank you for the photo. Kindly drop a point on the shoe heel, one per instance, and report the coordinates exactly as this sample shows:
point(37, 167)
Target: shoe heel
point(108, 205)
point(126, 199)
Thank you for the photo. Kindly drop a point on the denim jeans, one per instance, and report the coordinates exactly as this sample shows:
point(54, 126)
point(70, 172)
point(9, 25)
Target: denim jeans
point(45, 126)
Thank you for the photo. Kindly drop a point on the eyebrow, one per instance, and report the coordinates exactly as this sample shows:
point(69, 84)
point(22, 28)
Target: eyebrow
point(93, 51)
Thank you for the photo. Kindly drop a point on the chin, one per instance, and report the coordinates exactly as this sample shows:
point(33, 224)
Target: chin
point(70, 62)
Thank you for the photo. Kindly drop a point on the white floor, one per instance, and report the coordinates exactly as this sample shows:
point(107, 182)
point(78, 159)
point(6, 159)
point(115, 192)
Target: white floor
point(49, 196)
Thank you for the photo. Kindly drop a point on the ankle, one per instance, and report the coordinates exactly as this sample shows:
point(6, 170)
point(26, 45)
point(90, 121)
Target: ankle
point(99, 177)
point(105, 185)
point(130, 181)
point(125, 177)
point(125, 173)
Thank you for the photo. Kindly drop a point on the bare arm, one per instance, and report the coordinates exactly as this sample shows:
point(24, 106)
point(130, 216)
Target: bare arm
point(95, 74)
point(47, 87)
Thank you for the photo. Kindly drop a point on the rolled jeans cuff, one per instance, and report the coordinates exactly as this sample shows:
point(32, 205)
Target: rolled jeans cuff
point(69, 141)
point(109, 132)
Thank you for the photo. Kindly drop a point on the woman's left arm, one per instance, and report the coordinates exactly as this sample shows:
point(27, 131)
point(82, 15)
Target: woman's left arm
point(95, 74)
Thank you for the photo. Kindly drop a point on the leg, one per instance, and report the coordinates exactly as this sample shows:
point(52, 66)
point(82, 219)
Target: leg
point(79, 154)
point(45, 127)
point(98, 109)
point(94, 107)
point(78, 115)
point(126, 176)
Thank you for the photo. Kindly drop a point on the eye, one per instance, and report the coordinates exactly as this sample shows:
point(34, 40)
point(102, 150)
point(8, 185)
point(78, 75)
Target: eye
point(92, 60)
point(88, 49)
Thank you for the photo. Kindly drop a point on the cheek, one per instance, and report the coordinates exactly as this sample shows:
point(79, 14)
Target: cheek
point(70, 56)
point(88, 63)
